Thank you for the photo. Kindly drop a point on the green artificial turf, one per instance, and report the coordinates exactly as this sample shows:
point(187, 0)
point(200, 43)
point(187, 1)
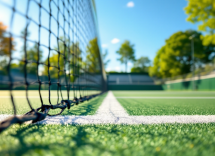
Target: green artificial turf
point(164, 93)
point(86, 108)
point(106, 140)
point(168, 106)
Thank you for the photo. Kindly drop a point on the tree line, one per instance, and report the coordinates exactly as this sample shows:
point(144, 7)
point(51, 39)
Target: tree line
point(172, 59)
point(175, 57)
point(66, 57)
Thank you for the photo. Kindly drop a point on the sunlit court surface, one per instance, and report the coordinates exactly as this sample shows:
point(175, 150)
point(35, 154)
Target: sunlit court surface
point(34, 98)
point(167, 103)
point(107, 77)
point(118, 129)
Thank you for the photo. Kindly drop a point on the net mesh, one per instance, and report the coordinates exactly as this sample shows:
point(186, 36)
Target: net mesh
point(50, 46)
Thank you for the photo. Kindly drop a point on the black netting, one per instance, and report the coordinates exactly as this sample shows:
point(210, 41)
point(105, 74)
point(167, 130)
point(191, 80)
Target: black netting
point(50, 46)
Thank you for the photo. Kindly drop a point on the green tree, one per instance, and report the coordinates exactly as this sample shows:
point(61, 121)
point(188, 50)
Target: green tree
point(32, 58)
point(126, 52)
point(31, 55)
point(141, 65)
point(68, 59)
point(175, 57)
point(112, 71)
point(93, 57)
point(104, 58)
point(203, 13)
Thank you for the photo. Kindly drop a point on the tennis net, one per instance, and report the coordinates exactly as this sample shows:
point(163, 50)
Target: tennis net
point(50, 46)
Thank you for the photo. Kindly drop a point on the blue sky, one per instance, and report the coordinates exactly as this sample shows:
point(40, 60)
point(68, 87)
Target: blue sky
point(145, 23)
point(19, 23)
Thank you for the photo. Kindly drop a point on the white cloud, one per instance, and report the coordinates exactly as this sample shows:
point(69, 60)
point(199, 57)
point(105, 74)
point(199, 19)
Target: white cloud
point(129, 64)
point(115, 40)
point(130, 4)
point(108, 69)
point(104, 45)
point(117, 68)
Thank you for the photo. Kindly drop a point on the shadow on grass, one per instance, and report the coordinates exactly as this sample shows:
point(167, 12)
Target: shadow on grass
point(86, 108)
point(90, 139)
point(23, 146)
point(26, 137)
point(28, 143)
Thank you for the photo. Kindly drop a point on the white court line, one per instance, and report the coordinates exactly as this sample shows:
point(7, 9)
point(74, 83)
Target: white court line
point(111, 112)
point(119, 97)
